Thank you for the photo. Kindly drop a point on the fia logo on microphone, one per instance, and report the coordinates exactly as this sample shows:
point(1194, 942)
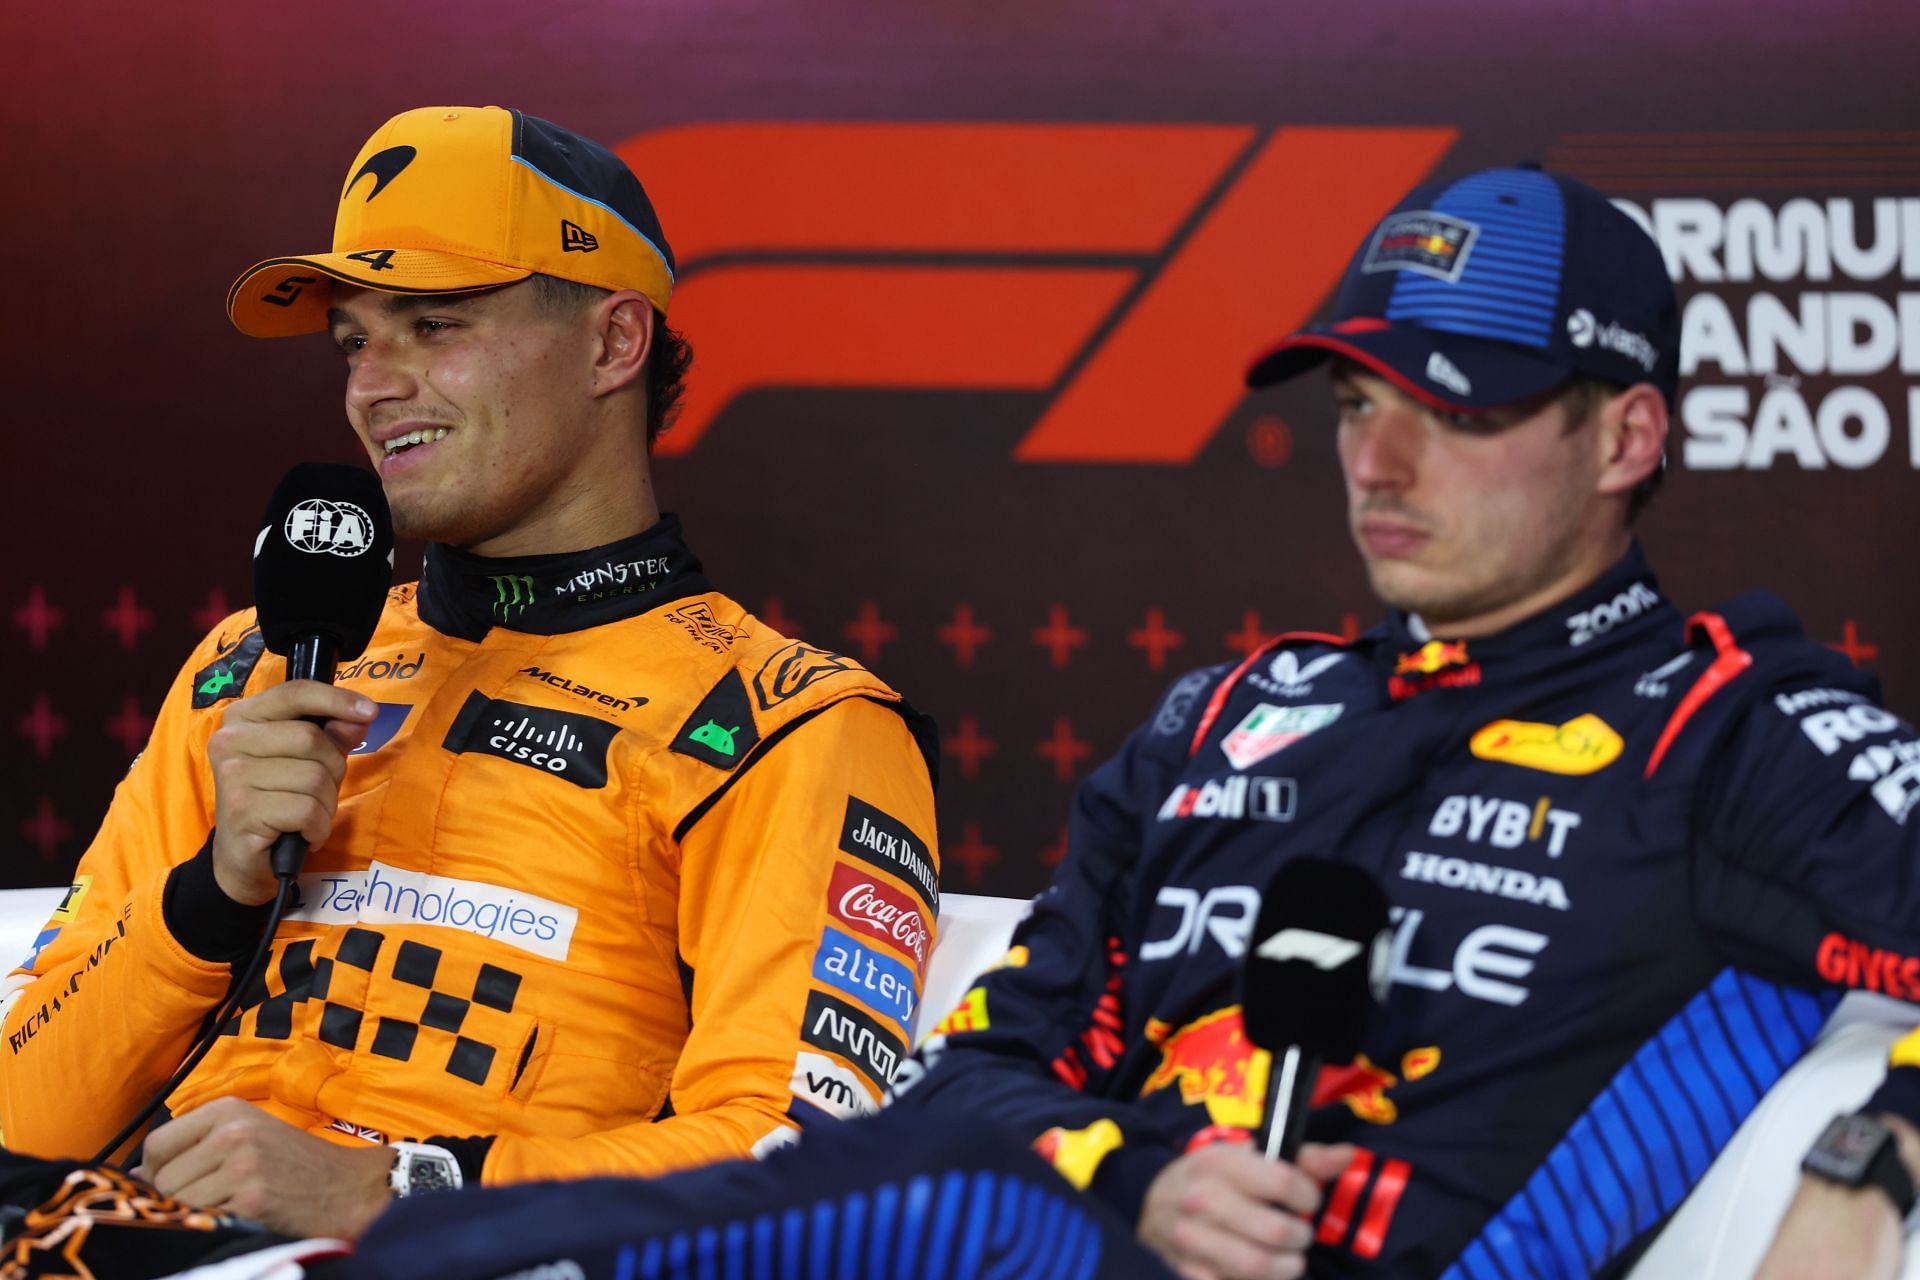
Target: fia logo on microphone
point(320, 526)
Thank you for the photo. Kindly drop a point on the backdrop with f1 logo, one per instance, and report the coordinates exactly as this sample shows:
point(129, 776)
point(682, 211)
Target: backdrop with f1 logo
point(971, 288)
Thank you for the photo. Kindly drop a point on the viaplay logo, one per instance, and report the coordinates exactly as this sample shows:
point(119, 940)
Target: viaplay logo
point(1104, 267)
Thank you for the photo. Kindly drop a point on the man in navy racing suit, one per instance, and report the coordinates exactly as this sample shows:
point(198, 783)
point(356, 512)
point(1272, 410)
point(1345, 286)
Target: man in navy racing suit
point(1633, 853)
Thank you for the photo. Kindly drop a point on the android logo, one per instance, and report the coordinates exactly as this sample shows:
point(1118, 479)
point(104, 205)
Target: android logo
point(216, 682)
point(713, 737)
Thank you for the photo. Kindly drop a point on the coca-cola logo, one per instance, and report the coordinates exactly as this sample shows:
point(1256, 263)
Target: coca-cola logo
point(861, 899)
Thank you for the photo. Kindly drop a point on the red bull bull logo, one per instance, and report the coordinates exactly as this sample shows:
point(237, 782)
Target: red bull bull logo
point(1434, 655)
point(1214, 1064)
point(1436, 664)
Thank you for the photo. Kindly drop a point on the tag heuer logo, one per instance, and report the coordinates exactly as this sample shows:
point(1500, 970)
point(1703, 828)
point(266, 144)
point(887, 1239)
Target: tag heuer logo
point(1268, 729)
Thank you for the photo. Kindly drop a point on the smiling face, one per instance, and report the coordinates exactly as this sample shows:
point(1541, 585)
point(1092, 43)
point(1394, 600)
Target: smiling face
point(1475, 521)
point(490, 419)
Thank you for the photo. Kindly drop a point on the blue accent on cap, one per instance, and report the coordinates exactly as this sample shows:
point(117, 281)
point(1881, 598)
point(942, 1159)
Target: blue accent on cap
point(1648, 1137)
point(665, 262)
point(1509, 286)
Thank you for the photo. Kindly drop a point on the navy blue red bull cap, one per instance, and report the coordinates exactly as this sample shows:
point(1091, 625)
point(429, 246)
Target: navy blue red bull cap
point(1493, 288)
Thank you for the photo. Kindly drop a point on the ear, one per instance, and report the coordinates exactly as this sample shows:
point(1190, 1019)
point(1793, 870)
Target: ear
point(1632, 437)
point(623, 325)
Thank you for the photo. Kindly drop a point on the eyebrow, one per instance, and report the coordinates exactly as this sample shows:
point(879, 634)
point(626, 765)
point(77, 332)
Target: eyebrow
point(406, 303)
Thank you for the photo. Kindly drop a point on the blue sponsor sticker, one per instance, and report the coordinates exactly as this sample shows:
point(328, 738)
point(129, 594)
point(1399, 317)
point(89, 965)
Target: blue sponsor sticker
point(874, 979)
point(39, 944)
point(386, 722)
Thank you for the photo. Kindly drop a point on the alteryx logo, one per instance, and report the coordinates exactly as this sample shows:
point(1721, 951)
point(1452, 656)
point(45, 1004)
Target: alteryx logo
point(1095, 250)
point(571, 747)
point(874, 978)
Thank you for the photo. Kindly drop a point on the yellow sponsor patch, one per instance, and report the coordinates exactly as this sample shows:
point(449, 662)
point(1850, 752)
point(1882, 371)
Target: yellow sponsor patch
point(969, 1015)
point(1905, 1051)
point(1077, 1153)
point(70, 905)
point(1014, 959)
point(1585, 744)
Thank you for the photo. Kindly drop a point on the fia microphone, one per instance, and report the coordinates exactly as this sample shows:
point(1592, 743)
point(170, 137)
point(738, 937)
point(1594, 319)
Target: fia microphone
point(1316, 967)
point(322, 564)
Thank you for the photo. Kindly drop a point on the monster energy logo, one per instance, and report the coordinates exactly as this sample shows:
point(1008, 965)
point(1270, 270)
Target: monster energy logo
point(513, 592)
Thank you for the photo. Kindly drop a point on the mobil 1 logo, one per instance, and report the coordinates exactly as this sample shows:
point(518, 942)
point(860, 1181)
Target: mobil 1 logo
point(568, 746)
point(883, 841)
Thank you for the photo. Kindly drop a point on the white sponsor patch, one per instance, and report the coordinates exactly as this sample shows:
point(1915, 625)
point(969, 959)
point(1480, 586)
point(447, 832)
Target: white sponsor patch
point(389, 895)
point(1268, 729)
point(829, 1086)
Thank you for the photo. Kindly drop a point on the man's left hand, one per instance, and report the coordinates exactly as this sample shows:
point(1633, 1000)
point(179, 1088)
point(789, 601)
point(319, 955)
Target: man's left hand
point(231, 1155)
point(1835, 1231)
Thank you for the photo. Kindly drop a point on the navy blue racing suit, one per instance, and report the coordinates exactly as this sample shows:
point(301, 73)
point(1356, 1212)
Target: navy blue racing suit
point(1633, 857)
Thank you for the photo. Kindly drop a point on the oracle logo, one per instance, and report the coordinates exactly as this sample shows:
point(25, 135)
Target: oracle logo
point(860, 899)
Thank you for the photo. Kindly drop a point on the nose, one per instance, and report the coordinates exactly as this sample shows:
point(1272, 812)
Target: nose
point(1381, 450)
point(377, 375)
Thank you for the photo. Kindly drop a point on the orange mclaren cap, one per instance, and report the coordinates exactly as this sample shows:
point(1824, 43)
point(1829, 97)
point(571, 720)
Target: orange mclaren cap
point(452, 199)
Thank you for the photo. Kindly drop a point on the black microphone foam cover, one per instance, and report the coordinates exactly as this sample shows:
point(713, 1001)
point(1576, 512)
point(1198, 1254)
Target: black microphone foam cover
point(1317, 963)
point(324, 558)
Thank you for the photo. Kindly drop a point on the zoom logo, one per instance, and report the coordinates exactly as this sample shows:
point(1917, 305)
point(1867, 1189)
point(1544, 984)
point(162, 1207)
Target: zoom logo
point(569, 746)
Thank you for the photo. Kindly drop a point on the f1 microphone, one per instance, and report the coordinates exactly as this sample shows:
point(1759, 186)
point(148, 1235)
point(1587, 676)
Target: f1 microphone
point(322, 564)
point(1316, 966)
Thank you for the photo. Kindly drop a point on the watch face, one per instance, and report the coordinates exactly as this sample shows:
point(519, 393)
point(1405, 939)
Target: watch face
point(429, 1173)
point(1847, 1148)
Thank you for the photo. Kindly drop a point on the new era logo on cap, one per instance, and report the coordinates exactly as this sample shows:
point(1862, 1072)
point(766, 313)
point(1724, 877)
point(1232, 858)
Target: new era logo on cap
point(1447, 374)
point(575, 238)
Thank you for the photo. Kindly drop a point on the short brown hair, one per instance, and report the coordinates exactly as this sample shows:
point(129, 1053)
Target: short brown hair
point(667, 360)
point(1582, 397)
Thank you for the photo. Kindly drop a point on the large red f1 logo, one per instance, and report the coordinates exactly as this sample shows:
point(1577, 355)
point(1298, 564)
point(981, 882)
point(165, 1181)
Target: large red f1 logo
point(1133, 270)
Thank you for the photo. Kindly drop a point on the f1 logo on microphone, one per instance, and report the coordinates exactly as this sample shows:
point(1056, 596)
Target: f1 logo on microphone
point(1321, 950)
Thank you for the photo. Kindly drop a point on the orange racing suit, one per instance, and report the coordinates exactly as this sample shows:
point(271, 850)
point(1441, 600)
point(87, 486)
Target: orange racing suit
point(587, 898)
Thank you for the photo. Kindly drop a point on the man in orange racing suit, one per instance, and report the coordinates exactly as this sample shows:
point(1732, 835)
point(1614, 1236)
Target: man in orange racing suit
point(581, 828)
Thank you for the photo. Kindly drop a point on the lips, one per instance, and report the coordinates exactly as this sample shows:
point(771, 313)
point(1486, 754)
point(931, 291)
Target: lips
point(1390, 540)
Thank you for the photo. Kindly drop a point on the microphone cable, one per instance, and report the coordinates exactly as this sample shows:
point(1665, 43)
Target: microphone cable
point(228, 1008)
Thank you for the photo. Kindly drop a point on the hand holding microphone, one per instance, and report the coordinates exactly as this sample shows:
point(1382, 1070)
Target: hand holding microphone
point(1316, 965)
point(321, 566)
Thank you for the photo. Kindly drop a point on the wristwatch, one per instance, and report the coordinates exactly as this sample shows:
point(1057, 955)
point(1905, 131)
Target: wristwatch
point(1859, 1151)
point(420, 1167)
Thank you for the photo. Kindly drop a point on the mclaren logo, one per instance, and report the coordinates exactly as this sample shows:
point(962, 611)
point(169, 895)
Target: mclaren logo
point(385, 166)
